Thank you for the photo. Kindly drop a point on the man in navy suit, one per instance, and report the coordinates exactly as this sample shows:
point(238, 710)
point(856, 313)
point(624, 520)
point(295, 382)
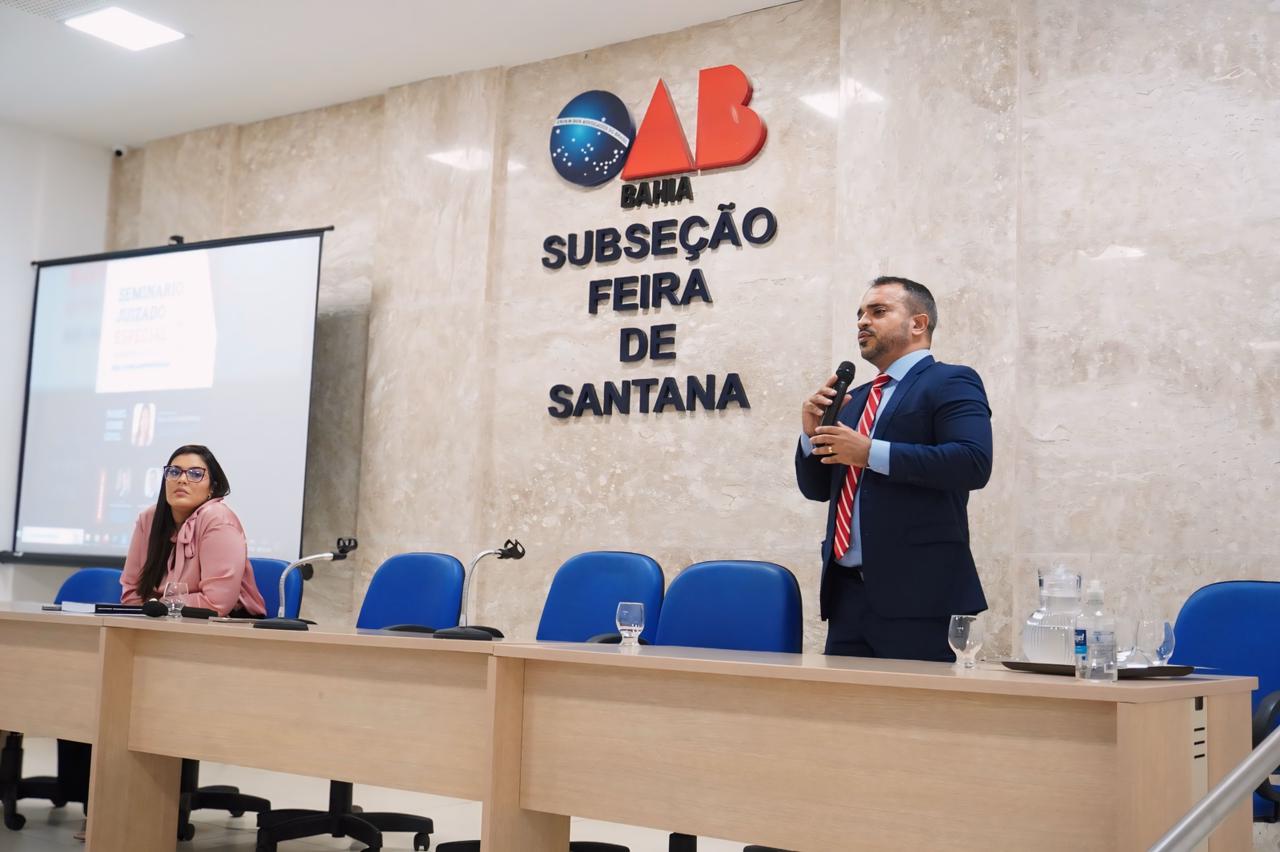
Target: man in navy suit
point(905, 452)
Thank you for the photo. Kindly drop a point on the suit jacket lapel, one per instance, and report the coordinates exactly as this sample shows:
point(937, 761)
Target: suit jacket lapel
point(900, 392)
point(851, 413)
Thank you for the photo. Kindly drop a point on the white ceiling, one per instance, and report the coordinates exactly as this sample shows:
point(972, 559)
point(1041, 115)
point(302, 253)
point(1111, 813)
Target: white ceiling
point(246, 60)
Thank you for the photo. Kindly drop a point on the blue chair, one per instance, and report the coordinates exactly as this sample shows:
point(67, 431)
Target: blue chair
point(224, 797)
point(266, 574)
point(736, 605)
point(580, 606)
point(1234, 627)
point(586, 591)
point(88, 585)
point(91, 585)
point(413, 589)
point(420, 592)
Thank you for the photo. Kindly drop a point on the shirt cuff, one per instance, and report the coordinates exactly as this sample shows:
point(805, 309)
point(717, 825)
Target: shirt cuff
point(878, 456)
point(806, 446)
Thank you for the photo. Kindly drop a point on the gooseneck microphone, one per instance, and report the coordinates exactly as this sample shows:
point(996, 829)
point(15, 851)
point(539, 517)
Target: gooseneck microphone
point(511, 549)
point(344, 546)
point(844, 378)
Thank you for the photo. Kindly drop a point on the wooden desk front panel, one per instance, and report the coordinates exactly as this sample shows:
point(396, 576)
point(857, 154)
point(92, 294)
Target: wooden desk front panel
point(50, 670)
point(397, 717)
point(818, 766)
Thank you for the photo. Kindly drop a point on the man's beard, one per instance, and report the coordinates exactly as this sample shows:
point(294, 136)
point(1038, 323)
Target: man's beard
point(877, 344)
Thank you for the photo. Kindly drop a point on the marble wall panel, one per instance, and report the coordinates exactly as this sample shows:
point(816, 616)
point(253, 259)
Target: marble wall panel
point(430, 366)
point(187, 186)
point(928, 189)
point(1147, 280)
point(315, 169)
point(682, 487)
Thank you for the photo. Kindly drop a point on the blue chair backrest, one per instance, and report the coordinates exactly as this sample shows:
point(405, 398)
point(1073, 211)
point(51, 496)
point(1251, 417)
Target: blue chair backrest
point(1234, 627)
point(738, 605)
point(414, 588)
point(585, 593)
point(266, 574)
point(91, 585)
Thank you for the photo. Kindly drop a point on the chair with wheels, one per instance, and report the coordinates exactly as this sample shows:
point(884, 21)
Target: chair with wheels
point(587, 589)
point(765, 615)
point(580, 607)
point(71, 784)
point(413, 592)
point(222, 797)
point(1234, 628)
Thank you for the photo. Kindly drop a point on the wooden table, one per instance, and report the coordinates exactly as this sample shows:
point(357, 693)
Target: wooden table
point(799, 751)
point(399, 711)
point(49, 668)
point(810, 752)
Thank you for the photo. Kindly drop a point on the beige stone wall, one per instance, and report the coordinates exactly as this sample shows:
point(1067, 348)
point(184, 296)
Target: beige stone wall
point(1091, 190)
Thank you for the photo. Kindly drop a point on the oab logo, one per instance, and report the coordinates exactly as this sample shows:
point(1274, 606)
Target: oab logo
point(593, 138)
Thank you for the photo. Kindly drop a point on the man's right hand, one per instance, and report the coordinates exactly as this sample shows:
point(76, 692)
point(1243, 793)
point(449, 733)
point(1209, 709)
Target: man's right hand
point(815, 406)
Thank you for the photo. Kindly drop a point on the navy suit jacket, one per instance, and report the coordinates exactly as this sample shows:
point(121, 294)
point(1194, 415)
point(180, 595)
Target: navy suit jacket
point(914, 522)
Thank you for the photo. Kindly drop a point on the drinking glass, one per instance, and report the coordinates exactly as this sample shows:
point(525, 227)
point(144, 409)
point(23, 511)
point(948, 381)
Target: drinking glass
point(174, 595)
point(630, 621)
point(1154, 640)
point(964, 635)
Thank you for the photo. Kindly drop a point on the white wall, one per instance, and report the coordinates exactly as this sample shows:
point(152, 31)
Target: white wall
point(53, 203)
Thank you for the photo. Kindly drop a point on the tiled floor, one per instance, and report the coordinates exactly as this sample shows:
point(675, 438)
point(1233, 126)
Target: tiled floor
point(49, 829)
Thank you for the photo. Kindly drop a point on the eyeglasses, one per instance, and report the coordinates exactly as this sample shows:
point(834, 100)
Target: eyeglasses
point(194, 474)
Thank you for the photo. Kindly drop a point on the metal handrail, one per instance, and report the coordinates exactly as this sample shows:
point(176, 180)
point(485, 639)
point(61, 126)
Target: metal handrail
point(1204, 817)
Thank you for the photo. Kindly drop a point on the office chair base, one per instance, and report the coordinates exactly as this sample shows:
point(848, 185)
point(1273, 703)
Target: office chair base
point(677, 842)
point(343, 819)
point(229, 799)
point(218, 797)
point(574, 846)
point(366, 828)
point(13, 787)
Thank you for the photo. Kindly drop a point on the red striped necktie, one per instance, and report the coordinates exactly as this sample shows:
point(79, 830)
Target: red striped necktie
point(844, 510)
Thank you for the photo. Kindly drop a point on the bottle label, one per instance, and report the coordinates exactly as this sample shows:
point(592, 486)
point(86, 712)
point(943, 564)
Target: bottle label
point(1082, 644)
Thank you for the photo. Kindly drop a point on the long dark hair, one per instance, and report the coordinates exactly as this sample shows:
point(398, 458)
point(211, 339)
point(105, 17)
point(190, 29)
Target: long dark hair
point(160, 543)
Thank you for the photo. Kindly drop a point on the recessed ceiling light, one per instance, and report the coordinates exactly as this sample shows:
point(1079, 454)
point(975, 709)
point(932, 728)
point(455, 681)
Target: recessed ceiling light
point(126, 29)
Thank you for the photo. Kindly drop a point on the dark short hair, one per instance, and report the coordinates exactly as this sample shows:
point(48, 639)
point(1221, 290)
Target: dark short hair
point(918, 296)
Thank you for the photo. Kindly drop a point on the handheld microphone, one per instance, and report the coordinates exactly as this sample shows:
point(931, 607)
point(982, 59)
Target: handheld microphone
point(844, 378)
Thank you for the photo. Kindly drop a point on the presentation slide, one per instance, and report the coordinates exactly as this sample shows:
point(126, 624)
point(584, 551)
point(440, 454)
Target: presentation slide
point(132, 357)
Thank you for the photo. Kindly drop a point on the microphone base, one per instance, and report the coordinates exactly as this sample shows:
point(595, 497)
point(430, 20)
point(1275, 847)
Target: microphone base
point(475, 633)
point(281, 624)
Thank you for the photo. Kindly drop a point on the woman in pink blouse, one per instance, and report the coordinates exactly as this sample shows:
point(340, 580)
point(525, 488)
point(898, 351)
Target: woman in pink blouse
point(191, 536)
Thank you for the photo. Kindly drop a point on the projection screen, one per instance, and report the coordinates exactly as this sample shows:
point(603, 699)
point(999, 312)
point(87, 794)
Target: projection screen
point(137, 353)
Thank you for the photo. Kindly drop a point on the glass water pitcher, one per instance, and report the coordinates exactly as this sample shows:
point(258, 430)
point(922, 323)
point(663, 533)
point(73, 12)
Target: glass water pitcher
point(1048, 633)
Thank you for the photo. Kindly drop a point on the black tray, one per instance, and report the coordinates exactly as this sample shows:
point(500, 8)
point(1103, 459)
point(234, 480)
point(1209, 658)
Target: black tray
point(1125, 674)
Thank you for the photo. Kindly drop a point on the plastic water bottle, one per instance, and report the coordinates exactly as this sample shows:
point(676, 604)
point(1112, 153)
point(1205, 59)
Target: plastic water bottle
point(1095, 638)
